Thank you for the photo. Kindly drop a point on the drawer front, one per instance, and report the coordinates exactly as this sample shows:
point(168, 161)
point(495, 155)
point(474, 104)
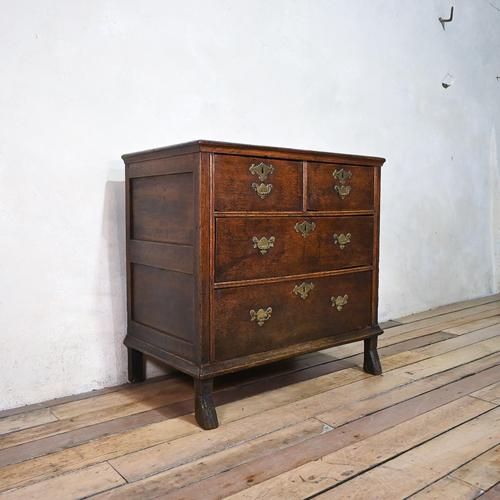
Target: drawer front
point(257, 184)
point(339, 187)
point(259, 318)
point(259, 247)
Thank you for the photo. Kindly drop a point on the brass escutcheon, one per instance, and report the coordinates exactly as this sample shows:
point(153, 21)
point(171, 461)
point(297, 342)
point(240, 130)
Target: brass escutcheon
point(342, 175)
point(342, 239)
point(339, 302)
point(261, 316)
point(262, 189)
point(263, 244)
point(262, 170)
point(305, 227)
point(303, 289)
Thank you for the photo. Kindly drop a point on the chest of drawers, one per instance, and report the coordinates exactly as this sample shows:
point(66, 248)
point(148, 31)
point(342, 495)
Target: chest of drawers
point(242, 255)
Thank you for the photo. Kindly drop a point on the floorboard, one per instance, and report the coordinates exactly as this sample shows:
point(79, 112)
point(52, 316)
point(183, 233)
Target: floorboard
point(313, 427)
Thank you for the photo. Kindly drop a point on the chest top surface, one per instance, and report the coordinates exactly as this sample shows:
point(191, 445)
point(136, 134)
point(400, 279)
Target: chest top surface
point(201, 145)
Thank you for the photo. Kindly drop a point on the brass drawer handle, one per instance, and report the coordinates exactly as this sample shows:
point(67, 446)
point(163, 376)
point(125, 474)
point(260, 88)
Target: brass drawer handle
point(263, 244)
point(305, 227)
point(303, 289)
point(262, 170)
point(262, 189)
point(342, 191)
point(342, 176)
point(261, 316)
point(339, 302)
point(342, 240)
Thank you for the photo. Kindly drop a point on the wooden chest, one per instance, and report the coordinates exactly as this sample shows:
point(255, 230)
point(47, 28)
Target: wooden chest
point(241, 255)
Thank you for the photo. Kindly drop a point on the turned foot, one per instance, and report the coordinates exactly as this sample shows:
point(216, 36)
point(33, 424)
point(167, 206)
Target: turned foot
point(136, 366)
point(372, 362)
point(204, 408)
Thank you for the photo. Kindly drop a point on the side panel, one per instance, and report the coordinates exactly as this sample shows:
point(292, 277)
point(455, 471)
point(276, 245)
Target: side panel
point(162, 208)
point(161, 258)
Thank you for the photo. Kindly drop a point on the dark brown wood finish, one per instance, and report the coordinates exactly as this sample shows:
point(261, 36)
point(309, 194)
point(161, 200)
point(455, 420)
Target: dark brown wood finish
point(235, 185)
point(238, 255)
point(162, 207)
point(204, 407)
point(197, 265)
point(136, 366)
point(325, 191)
point(294, 318)
point(371, 362)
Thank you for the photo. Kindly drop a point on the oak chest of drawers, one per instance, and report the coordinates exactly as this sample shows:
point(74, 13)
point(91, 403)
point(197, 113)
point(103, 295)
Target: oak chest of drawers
point(241, 255)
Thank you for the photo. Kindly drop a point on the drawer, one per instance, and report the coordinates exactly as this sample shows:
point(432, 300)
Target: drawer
point(243, 183)
point(259, 318)
point(339, 187)
point(262, 247)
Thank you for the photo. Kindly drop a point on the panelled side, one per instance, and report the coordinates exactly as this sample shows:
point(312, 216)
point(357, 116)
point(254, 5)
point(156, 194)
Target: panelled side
point(161, 258)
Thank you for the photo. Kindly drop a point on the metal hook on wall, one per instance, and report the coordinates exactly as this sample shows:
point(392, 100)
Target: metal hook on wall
point(442, 20)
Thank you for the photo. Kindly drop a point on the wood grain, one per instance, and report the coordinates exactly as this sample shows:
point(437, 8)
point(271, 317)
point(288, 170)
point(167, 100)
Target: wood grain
point(482, 472)
point(491, 393)
point(114, 446)
point(234, 387)
point(318, 414)
point(447, 487)
point(238, 259)
point(473, 325)
point(78, 484)
point(354, 454)
point(456, 306)
point(182, 206)
point(321, 194)
point(294, 320)
point(26, 420)
point(405, 474)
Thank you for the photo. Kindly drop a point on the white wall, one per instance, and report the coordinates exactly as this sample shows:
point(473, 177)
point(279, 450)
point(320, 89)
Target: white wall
point(84, 81)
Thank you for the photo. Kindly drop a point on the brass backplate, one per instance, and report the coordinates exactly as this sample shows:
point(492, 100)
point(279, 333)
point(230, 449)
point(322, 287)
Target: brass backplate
point(339, 302)
point(263, 244)
point(261, 315)
point(342, 240)
point(262, 170)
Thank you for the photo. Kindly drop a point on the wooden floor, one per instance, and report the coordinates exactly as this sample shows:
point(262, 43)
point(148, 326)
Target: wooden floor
point(316, 426)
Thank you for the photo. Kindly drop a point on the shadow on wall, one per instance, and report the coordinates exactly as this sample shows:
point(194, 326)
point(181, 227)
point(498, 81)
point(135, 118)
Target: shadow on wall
point(113, 233)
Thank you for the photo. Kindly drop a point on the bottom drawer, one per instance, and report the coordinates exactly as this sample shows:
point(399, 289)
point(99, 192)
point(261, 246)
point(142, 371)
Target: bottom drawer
point(259, 318)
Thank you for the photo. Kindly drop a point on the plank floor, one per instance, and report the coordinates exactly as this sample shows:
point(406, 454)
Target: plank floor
point(313, 427)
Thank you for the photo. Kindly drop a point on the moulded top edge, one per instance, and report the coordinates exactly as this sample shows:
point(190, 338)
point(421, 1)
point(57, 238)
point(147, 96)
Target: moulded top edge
point(249, 150)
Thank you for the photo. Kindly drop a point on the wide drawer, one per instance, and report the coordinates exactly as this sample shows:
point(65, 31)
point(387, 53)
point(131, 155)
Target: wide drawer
point(339, 187)
point(244, 183)
point(259, 247)
point(259, 318)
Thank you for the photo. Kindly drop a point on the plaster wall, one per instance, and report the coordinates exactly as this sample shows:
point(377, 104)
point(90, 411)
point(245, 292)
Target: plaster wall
point(87, 80)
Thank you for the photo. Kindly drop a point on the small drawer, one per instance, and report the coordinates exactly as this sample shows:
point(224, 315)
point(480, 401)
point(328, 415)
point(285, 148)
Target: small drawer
point(244, 183)
point(248, 248)
point(260, 318)
point(339, 187)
